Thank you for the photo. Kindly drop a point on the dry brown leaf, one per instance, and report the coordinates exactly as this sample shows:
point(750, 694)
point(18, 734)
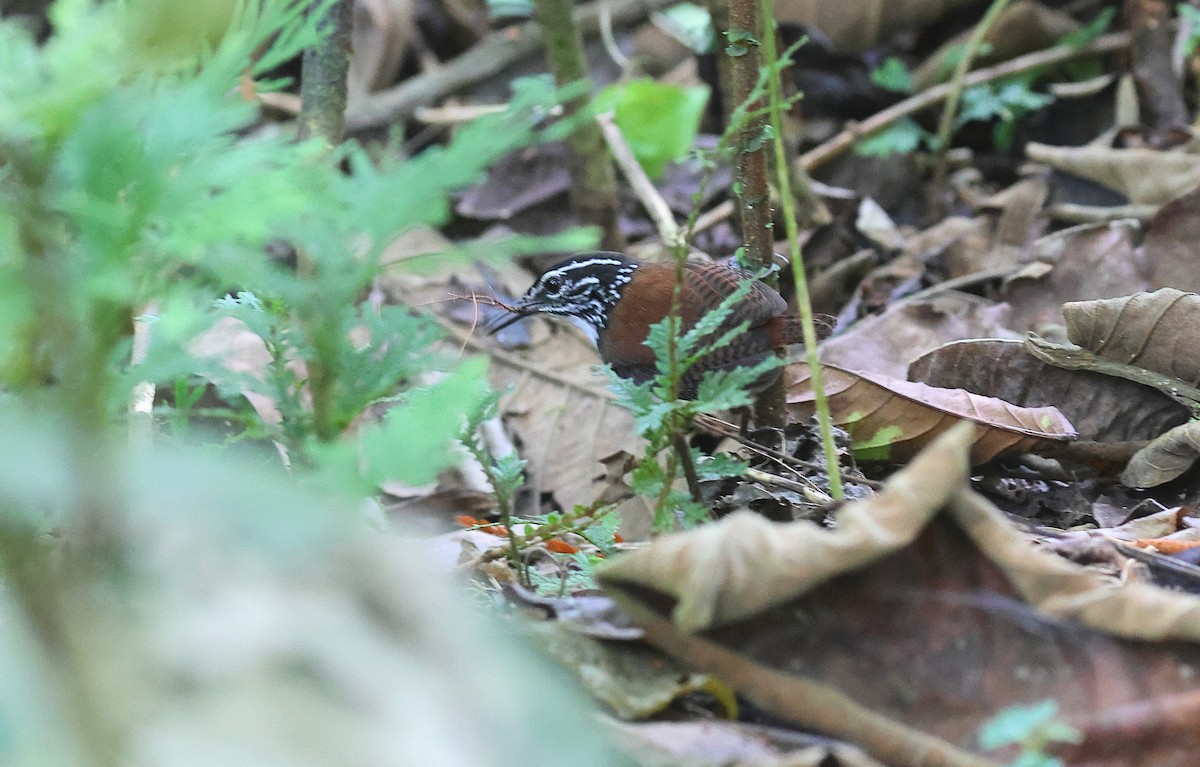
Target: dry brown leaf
point(892, 419)
point(1089, 261)
point(1170, 245)
point(857, 26)
point(1157, 331)
point(744, 564)
point(1164, 459)
point(1145, 176)
point(563, 415)
point(1100, 407)
point(886, 343)
point(905, 624)
point(381, 34)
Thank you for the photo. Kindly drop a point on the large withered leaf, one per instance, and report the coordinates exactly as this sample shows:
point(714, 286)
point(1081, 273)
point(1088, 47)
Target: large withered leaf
point(1100, 407)
point(1085, 262)
point(1164, 459)
point(1170, 245)
point(891, 420)
point(906, 631)
point(1158, 331)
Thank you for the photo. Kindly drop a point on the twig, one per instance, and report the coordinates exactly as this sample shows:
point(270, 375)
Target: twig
point(717, 426)
point(488, 57)
point(645, 190)
point(823, 153)
point(880, 120)
point(323, 77)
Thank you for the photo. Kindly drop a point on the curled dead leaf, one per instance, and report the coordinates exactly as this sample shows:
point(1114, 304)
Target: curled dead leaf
point(1164, 459)
point(890, 419)
point(1158, 331)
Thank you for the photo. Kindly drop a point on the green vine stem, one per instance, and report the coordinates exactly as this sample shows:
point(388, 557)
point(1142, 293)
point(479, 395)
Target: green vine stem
point(957, 85)
point(803, 302)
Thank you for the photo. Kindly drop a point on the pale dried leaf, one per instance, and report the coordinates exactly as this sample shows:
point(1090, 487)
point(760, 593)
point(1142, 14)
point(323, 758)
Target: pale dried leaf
point(886, 343)
point(1158, 331)
point(744, 563)
point(1089, 261)
point(381, 35)
point(891, 419)
point(1170, 245)
point(1164, 459)
point(1144, 176)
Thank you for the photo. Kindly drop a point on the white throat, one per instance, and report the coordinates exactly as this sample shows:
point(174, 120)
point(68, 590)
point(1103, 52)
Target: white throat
point(587, 328)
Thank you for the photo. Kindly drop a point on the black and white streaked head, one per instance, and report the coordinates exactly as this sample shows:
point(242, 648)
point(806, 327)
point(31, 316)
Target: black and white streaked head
point(583, 289)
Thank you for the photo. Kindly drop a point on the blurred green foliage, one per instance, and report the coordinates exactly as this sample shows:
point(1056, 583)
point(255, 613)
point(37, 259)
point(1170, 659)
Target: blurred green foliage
point(127, 179)
point(659, 121)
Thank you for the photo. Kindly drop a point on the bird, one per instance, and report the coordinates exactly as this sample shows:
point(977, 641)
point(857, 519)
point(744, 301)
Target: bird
point(615, 299)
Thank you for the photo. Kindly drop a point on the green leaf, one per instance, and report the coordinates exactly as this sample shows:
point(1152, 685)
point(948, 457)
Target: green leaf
point(902, 137)
point(893, 75)
point(1190, 16)
point(412, 444)
point(1091, 31)
point(658, 120)
point(688, 23)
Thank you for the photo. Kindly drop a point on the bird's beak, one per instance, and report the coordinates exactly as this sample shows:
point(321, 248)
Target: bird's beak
point(520, 310)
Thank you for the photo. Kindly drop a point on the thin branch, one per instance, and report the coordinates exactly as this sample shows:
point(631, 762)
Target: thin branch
point(645, 190)
point(490, 56)
point(323, 77)
point(881, 120)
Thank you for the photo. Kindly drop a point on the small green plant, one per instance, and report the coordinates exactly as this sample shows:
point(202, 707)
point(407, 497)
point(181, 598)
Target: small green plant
point(1005, 101)
point(126, 181)
point(892, 75)
point(595, 524)
point(1034, 728)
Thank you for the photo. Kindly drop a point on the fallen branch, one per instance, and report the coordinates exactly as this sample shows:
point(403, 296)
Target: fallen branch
point(488, 57)
point(645, 190)
point(927, 98)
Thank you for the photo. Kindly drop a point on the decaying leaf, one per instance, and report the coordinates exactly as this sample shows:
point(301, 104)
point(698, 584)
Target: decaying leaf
point(1164, 459)
point(1100, 407)
point(1170, 245)
point(910, 630)
point(887, 342)
point(890, 419)
point(1087, 262)
point(1157, 331)
point(1143, 175)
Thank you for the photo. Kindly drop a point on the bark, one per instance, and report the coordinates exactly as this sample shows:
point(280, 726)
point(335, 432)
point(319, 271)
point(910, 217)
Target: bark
point(593, 183)
point(323, 77)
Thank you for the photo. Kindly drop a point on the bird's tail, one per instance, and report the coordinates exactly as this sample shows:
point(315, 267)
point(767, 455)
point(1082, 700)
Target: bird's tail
point(790, 329)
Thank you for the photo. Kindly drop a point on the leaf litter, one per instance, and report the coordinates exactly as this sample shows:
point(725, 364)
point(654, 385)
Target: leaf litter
point(926, 607)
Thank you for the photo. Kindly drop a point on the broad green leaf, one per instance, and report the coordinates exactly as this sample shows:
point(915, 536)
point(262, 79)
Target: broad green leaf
point(659, 121)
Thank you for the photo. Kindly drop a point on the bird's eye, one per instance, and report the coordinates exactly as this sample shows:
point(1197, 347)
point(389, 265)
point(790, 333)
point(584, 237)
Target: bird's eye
point(553, 284)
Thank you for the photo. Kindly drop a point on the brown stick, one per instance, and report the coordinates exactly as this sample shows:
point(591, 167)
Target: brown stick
point(488, 57)
point(323, 77)
point(593, 184)
point(927, 98)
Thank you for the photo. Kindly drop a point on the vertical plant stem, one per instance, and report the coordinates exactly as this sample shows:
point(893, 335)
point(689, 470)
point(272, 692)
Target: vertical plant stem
point(593, 183)
point(803, 302)
point(751, 169)
point(950, 107)
point(322, 115)
point(323, 77)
